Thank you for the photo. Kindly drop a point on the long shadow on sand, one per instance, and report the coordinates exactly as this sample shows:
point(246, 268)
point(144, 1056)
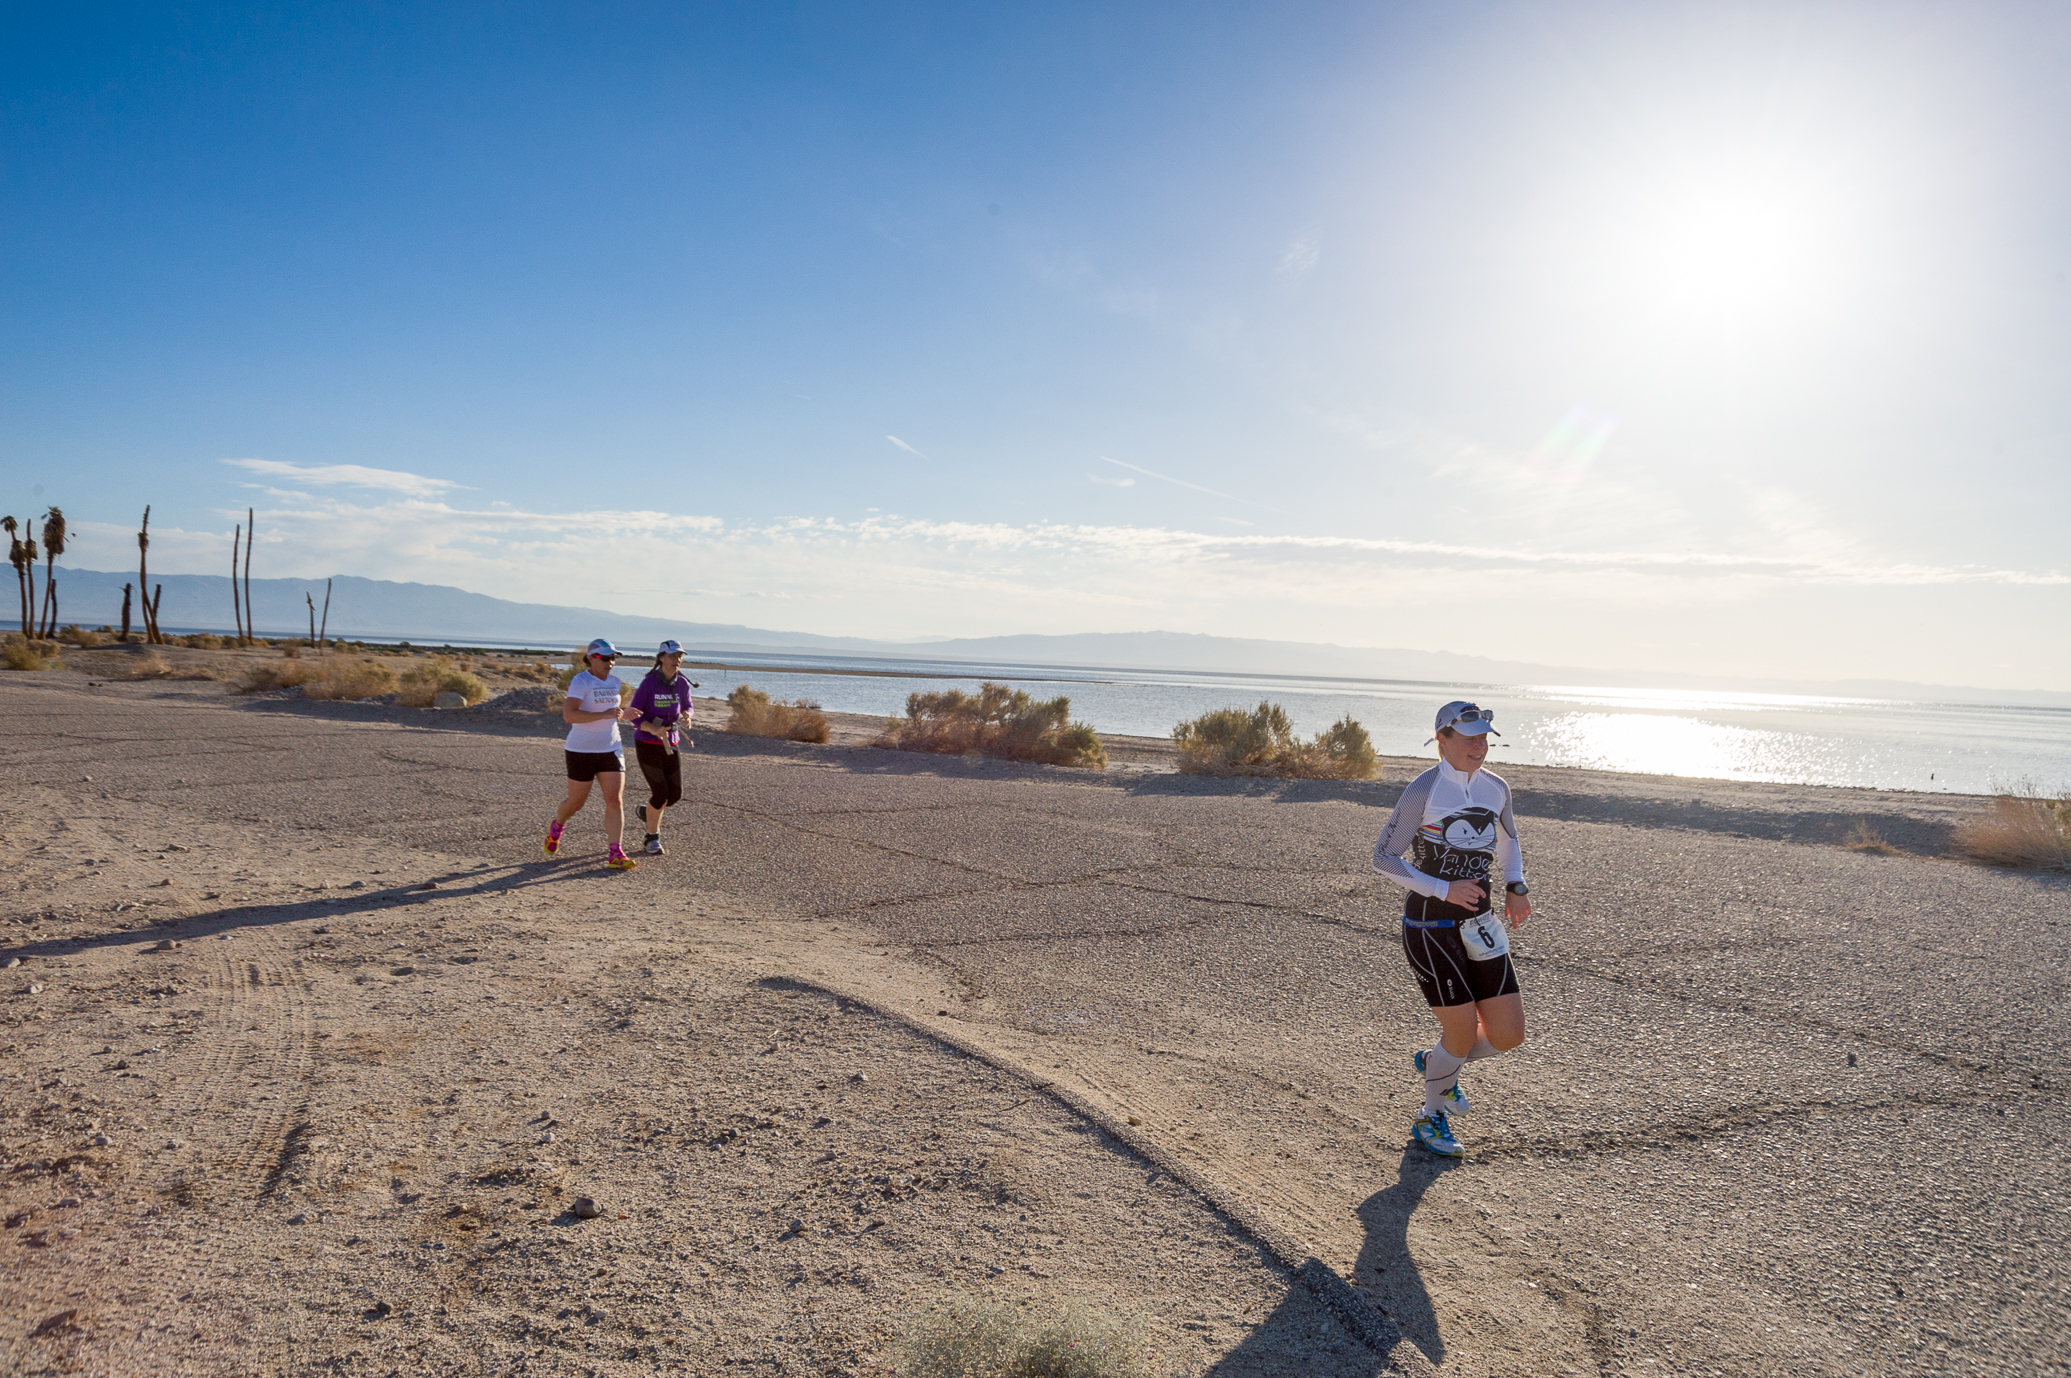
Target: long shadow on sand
point(1385, 1279)
point(458, 884)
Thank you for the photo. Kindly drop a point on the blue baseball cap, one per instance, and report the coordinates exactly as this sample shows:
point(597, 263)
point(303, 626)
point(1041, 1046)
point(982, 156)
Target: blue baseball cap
point(668, 648)
point(601, 647)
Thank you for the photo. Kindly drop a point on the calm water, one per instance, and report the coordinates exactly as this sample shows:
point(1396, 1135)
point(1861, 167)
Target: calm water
point(1964, 748)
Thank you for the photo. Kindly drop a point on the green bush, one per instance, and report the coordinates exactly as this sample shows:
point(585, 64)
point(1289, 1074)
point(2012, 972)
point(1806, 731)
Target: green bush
point(999, 722)
point(755, 715)
point(1231, 741)
point(968, 1337)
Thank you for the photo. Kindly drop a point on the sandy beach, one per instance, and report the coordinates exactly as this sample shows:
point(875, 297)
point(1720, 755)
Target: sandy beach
point(311, 1053)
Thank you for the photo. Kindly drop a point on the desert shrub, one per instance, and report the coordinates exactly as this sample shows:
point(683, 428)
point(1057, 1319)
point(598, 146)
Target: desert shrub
point(755, 714)
point(333, 677)
point(18, 654)
point(420, 684)
point(277, 674)
point(968, 1337)
point(1232, 741)
point(79, 636)
point(202, 641)
point(1003, 723)
point(351, 679)
point(2024, 828)
point(1864, 838)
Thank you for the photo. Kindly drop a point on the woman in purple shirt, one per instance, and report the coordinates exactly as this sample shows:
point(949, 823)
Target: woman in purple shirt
point(661, 711)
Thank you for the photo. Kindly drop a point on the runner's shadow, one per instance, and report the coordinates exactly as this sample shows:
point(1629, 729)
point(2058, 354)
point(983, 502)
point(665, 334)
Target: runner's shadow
point(492, 880)
point(1386, 1275)
point(1385, 1278)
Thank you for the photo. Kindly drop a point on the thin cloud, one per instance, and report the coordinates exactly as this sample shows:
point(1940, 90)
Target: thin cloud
point(1112, 482)
point(904, 446)
point(1167, 478)
point(1300, 258)
point(349, 475)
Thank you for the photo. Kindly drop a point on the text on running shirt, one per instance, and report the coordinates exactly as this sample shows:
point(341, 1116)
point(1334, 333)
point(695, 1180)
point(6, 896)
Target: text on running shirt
point(668, 701)
point(1449, 825)
point(593, 695)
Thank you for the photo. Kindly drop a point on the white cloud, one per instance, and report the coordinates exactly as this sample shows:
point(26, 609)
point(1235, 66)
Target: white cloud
point(904, 446)
point(1299, 258)
point(348, 475)
point(1167, 478)
point(1112, 482)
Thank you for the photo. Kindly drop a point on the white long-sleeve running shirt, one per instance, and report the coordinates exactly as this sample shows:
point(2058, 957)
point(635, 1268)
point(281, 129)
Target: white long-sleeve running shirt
point(1449, 826)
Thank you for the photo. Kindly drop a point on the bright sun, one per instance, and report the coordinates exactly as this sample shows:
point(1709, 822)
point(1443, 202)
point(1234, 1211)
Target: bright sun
point(1738, 248)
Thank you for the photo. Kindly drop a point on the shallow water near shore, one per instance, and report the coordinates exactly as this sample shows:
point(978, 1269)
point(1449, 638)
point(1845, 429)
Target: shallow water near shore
point(1953, 747)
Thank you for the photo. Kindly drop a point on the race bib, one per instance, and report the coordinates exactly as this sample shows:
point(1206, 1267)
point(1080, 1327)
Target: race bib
point(1485, 937)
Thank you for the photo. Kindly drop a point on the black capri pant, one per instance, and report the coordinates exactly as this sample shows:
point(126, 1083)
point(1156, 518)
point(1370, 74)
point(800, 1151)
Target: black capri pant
point(664, 771)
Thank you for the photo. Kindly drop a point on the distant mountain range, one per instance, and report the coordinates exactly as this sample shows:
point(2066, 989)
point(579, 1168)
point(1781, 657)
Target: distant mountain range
point(433, 614)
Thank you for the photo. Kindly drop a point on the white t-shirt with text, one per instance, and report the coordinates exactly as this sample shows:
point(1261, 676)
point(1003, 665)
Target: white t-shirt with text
point(593, 695)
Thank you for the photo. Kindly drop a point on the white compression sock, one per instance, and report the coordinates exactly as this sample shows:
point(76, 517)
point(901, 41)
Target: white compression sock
point(1483, 1048)
point(1441, 1072)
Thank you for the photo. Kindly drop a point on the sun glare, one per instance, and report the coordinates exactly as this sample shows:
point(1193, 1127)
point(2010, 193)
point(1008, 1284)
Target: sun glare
point(1729, 250)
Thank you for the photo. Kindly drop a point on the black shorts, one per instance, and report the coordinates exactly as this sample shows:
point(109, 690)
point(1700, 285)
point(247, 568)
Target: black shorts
point(1447, 974)
point(585, 766)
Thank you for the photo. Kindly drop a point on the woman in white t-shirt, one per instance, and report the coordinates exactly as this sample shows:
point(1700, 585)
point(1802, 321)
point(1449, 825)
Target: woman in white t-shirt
point(592, 711)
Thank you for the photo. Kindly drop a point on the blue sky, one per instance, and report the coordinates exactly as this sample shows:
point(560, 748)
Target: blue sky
point(1702, 337)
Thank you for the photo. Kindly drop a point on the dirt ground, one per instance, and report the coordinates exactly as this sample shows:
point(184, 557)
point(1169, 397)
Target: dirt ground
point(882, 1028)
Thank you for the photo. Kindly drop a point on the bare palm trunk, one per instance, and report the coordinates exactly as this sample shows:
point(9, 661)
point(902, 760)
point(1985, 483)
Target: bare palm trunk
point(310, 599)
point(236, 610)
point(325, 628)
point(125, 614)
point(144, 577)
point(251, 528)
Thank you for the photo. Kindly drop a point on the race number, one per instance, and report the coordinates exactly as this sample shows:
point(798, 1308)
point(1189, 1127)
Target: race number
point(1485, 937)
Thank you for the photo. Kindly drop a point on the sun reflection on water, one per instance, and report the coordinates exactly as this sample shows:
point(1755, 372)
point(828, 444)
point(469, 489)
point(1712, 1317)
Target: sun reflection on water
point(1658, 743)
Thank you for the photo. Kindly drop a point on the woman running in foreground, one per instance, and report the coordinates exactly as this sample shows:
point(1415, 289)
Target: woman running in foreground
point(662, 708)
point(1448, 829)
point(592, 712)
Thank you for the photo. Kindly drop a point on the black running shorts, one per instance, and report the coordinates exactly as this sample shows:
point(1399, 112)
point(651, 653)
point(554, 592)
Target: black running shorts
point(1447, 974)
point(586, 766)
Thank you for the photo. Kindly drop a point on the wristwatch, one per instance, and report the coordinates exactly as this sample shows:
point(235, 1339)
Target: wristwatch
point(1518, 887)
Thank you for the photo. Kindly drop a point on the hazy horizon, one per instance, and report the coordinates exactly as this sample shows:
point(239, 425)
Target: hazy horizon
point(1718, 338)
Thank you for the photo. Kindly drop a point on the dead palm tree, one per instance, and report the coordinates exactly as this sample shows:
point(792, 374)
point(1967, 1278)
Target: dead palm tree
point(53, 546)
point(29, 553)
point(16, 558)
point(144, 577)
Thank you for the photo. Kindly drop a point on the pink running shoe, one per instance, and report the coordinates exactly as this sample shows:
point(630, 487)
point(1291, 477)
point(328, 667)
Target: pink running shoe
point(553, 842)
point(617, 859)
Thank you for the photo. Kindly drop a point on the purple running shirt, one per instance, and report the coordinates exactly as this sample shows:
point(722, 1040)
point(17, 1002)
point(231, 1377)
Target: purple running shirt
point(668, 701)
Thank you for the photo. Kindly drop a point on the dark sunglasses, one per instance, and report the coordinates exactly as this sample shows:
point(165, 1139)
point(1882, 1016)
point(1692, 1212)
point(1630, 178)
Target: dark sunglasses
point(1473, 714)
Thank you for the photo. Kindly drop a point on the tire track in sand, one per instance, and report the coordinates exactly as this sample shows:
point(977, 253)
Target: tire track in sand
point(242, 1096)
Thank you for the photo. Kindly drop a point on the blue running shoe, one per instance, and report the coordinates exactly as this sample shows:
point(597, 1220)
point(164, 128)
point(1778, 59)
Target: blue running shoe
point(1436, 1135)
point(1455, 1099)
